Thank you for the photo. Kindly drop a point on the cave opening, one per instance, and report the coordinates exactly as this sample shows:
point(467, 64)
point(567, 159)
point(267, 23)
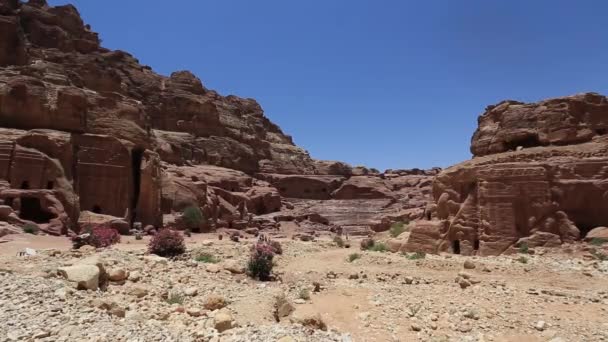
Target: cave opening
point(525, 142)
point(476, 245)
point(50, 185)
point(96, 209)
point(136, 159)
point(25, 185)
point(600, 131)
point(31, 210)
point(585, 228)
point(456, 246)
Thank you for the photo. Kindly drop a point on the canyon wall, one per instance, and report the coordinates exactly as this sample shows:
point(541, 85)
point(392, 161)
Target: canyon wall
point(85, 128)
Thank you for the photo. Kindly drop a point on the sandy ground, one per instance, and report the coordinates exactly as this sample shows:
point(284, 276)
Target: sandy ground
point(388, 297)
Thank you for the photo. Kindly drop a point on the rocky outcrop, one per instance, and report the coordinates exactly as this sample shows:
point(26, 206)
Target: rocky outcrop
point(541, 194)
point(91, 129)
point(510, 125)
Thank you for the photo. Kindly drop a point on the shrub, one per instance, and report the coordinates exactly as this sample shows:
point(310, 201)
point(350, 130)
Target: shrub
point(354, 256)
point(522, 259)
point(367, 243)
point(167, 243)
point(338, 241)
point(193, 217)
point(304, 294)
point(416, 256)
point(276, 247)
point(599, 255)
point(397, 228)
point(175, 298)
point(260, 261)
point(378, 247)
point(594, 241)
point(103, 236)
point(31, 228)
point(523, 248)
point(206, 258)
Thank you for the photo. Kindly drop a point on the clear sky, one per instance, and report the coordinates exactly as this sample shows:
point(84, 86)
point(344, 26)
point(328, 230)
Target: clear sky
point(381, 83)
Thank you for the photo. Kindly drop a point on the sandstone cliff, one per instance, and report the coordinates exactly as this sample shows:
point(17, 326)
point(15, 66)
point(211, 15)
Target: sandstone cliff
point(84, 128)
point(539, 179)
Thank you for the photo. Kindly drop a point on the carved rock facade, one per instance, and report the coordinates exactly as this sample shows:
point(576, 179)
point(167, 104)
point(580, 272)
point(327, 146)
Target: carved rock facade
point(84, 128)
point(541, 194)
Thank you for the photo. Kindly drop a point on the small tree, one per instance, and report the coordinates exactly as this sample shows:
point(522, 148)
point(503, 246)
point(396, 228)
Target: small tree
point(193, 217)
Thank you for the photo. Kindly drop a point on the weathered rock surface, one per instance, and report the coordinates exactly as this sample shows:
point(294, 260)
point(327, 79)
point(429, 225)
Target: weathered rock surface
point(542, 194)
point(84, 128)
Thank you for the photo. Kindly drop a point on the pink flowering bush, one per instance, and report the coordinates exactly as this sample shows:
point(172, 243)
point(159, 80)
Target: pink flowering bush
point(167, 243)
point(260, 261)
point(103, 236)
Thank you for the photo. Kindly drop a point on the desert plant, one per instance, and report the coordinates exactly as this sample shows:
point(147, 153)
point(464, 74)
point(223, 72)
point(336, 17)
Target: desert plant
point(167, 243)
point(103, 236)
point(378, 247)
point(599, 255)
point(354, 256)
point(260, 261)
point(304, 294)
point(524, 248)
point(175, 298)
point(398, 228)
point(594, 241)
point(276, 247)
point(31, 228)
point(522, 259)
point(193, 217)
point(339, 241)
point(367, 243)
point(415, 256)
point(206, 258)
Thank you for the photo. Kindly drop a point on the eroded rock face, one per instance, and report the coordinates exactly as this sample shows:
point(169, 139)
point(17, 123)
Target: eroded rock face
point(86, 128)
point(560, 121)
point(537, 195)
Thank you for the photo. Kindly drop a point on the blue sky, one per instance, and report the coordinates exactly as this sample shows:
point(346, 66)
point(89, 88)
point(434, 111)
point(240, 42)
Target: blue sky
point(387, 83)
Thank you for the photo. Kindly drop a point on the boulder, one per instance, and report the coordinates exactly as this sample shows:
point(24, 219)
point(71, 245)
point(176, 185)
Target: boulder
point(597, 233)
point(85, 277)
point(223, 321)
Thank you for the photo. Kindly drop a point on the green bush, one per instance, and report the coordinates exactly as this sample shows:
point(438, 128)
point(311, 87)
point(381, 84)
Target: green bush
point(31, 228)
point(193, 217)
point(416, 256)
point(397, 228)
point(175, 298)
point(353, 257)
point(598, 241)
point(599, 255)
point(304, 294)
point(523, 248)
point(206, 258)
point(378, 247)
point(339, 241)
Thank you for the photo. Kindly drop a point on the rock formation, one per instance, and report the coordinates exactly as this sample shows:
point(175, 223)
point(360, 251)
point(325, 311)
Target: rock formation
point(84, 128)
point(538, 178)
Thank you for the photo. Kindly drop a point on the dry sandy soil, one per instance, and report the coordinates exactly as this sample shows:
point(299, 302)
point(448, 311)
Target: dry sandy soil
point(553, 296)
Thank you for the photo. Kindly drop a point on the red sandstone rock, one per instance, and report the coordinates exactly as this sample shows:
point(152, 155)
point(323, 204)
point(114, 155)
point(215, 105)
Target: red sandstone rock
point(543, 194)
point(86, 128)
